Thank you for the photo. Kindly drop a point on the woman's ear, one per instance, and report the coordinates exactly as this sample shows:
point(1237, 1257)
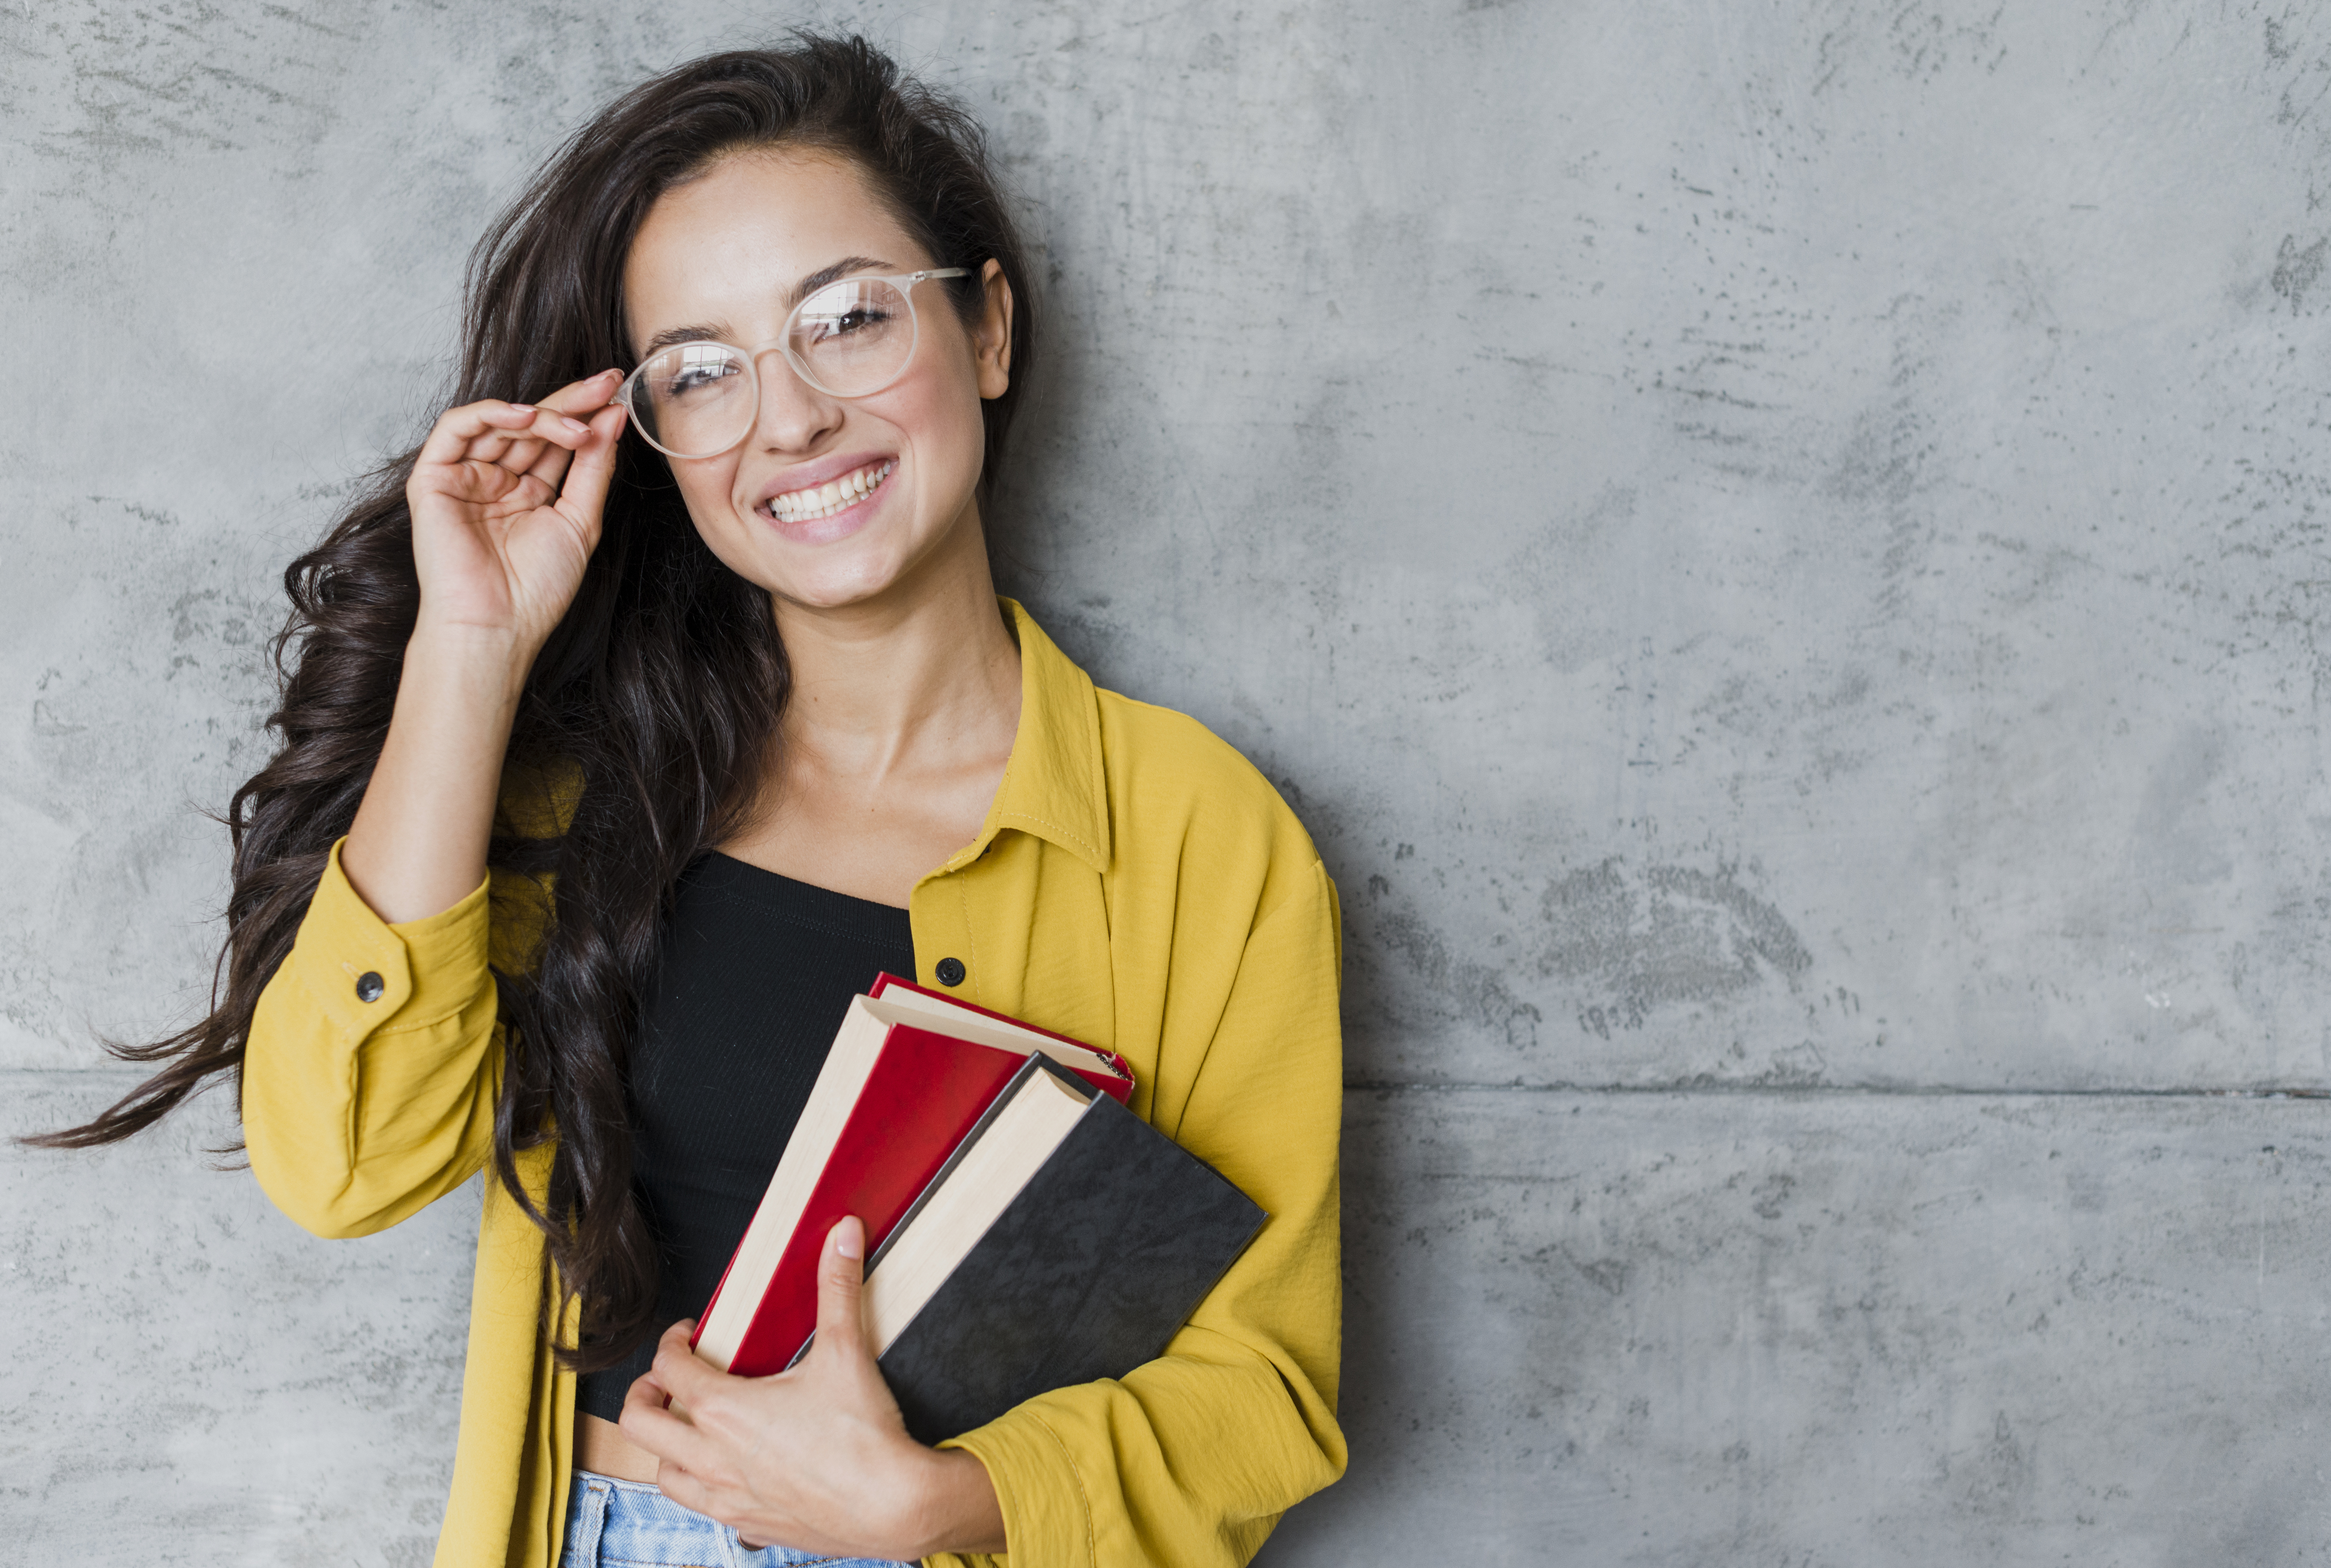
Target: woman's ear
point(990, 342)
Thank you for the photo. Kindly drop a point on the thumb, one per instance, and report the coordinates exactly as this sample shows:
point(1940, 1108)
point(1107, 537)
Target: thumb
point(585, 493)
point(840, 1288)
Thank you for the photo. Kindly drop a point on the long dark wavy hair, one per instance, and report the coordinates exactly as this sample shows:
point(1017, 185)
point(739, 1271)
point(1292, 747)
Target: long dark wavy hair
point(654, 704)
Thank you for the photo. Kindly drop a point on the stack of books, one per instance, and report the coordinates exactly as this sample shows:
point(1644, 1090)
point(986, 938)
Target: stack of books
point(1028, 1231)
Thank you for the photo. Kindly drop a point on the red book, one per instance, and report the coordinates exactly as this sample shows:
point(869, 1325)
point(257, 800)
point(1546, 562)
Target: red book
point(909, 1072)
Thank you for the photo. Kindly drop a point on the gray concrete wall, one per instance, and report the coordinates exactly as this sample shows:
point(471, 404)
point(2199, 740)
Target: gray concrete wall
point(1779, 547)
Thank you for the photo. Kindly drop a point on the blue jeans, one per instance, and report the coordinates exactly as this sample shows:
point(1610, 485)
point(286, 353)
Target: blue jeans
point(631, 1525)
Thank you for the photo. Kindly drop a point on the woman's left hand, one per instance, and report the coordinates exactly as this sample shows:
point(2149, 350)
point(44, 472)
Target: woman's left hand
point(816, 1457)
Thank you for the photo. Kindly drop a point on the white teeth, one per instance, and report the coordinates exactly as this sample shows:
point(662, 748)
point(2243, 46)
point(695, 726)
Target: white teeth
point(819, 500)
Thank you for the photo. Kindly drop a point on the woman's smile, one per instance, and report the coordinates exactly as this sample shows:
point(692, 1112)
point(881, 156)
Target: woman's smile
point(815, 504)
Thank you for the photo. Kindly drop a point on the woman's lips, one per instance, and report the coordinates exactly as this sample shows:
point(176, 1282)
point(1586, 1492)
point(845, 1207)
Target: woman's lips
point(818, 502)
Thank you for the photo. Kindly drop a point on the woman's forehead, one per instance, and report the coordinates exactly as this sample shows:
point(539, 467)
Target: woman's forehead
point(757, 221)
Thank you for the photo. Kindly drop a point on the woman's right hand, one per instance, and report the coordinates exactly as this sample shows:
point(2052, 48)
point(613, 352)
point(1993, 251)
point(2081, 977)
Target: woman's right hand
point(505, 500)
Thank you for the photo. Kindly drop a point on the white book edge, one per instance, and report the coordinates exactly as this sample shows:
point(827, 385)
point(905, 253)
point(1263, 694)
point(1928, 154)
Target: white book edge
point(940, 1016)
point(856, 1046)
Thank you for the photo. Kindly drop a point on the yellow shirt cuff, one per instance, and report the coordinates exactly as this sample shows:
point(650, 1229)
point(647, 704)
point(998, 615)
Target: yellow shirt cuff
point(361, 972)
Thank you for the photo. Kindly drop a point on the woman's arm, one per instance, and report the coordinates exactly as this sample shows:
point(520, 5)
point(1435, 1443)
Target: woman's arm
point(501, 531)
point(370, 1074)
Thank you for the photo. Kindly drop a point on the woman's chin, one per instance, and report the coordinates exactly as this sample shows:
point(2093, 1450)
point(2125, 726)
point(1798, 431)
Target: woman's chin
point(834, 579)
point(858, 555)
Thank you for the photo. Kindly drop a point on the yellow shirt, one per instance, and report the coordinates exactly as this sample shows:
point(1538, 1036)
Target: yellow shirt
point(1137, 885)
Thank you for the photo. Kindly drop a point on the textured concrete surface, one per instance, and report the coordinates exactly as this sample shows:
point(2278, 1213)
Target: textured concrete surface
point(1872, 1330)
point(194, 1379)
point(1778, 547)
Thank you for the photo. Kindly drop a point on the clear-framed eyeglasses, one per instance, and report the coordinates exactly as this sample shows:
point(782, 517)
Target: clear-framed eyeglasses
point(849, 339)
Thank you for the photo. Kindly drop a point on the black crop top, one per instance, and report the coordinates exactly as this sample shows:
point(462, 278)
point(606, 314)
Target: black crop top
point(756, 974)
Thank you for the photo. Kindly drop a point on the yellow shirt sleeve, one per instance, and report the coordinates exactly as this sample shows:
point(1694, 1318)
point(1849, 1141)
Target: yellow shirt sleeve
point(1189, 1460)
point(358, 1113)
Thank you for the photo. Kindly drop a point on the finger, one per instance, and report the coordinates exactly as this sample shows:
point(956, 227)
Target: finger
point(682, 1486)
point(549, 462)
point(587, 399)
point(580, 397)
point(539, 453)
point(450, 440)
point(576, 397)
point(683, 1374)
point(586, 491)
point(508, 435)
point(841, 1286)
point(529, 493)
point(550, 430)
point(564, 425)
point(669, 1437)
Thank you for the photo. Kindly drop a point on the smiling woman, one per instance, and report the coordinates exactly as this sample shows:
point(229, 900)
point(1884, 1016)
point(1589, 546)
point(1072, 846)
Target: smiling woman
point(647, 710)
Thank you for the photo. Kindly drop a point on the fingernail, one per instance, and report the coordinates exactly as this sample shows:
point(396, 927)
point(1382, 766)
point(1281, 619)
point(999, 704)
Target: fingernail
point(576, 425)
point(846, 1245)
point(521, 408)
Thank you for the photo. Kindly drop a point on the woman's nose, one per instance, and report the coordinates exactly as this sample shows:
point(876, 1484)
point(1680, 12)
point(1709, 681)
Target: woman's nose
point(794, 414)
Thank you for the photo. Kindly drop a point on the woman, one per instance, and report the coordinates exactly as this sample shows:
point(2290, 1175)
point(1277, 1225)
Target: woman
point(658, 700)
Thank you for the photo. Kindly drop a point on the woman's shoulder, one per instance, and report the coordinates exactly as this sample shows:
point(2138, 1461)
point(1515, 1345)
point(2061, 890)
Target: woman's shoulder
point(1172, 779)
point(1139, 783)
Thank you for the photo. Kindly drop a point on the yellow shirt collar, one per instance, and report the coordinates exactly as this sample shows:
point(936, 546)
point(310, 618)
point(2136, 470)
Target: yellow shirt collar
point(1054, 785)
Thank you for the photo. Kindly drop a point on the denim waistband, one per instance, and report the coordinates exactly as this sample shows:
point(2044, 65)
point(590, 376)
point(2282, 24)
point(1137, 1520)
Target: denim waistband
point(621, 1524)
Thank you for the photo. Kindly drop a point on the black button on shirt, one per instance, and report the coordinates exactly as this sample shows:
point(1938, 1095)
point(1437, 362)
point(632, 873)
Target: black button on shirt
point(757, 973)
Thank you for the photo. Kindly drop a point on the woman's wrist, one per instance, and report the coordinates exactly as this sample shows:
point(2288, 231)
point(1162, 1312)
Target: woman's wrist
point(956, 1508)
point(479, 658)
point(418, 843)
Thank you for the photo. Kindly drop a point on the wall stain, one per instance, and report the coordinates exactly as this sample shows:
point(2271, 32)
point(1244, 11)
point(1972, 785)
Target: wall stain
point(1480, 990)
point(1664, 934)
point(1997, 1478)
point(2296, 270)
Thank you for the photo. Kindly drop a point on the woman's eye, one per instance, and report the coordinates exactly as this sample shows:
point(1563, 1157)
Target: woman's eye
point(857, 319)
point(698, 378)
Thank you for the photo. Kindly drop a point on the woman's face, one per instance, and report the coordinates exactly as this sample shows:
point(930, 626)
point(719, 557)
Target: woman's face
point(727, 256)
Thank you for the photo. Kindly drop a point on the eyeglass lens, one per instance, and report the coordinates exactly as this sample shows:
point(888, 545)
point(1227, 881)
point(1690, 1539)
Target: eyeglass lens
point(849, 339)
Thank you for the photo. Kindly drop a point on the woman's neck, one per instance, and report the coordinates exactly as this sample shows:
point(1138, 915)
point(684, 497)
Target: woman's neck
point(903, 716)
point(928, 661)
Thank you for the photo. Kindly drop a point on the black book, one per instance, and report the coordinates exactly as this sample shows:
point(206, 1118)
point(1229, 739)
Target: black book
point(1065, 1240)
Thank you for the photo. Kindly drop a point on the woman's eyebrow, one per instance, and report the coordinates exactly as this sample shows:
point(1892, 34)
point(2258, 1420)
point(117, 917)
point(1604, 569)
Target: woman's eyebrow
point(801, 290)
point(671, 335)
point(824, 275)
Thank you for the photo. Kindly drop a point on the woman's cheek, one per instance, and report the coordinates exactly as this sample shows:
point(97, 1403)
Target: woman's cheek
point(726, 531)
point(710, 498)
